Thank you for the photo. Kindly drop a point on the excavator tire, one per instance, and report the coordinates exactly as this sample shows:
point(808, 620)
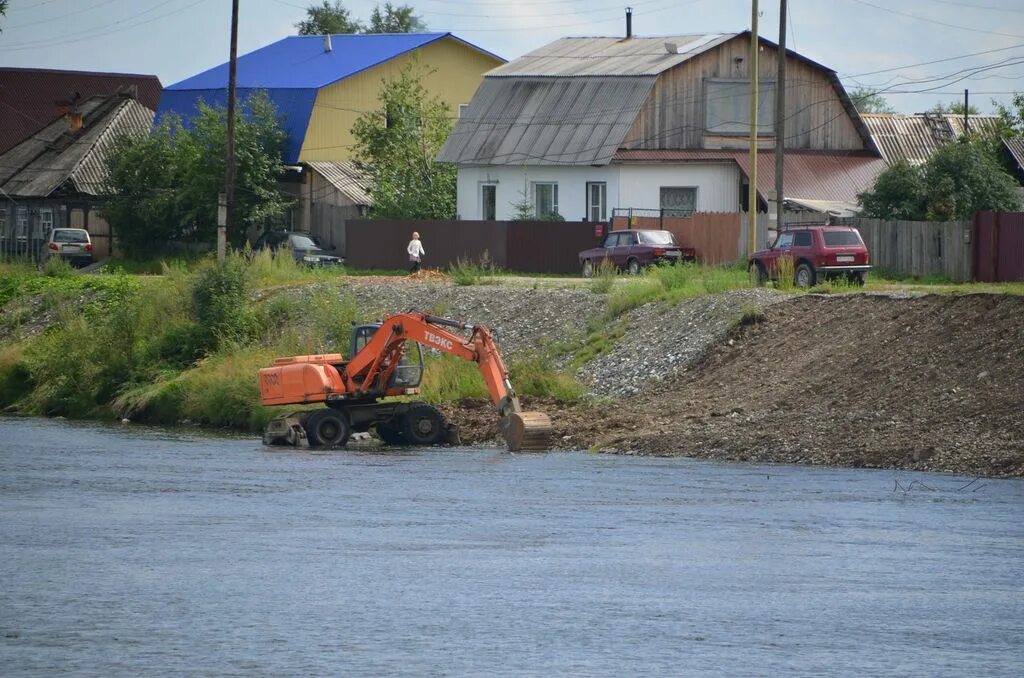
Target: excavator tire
point(328, 428)
point(527, 431)
point(423, 425)
point(389, 435)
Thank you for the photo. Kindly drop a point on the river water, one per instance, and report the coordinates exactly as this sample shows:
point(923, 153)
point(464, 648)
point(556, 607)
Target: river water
point(130, 551)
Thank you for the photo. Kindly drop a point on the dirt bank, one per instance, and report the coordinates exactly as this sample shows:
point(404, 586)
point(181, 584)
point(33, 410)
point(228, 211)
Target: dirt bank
point(928, 383)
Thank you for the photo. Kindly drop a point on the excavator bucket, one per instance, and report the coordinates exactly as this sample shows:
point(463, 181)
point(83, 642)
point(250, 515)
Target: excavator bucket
point(527, 431)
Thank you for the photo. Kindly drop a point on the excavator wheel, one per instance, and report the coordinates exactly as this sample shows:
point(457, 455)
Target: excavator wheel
point(423, 425)
point(527, 431)
point(328, 428)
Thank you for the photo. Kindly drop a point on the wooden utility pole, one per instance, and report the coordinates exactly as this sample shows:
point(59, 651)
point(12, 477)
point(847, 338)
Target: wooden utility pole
point(752, 193)
point(780, 118)
point(967, 110)
point(229, 179)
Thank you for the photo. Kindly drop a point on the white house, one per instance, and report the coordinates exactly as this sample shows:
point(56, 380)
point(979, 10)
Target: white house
point(585, 125)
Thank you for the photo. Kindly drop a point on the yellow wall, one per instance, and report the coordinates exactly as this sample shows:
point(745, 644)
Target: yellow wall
point(457, 71)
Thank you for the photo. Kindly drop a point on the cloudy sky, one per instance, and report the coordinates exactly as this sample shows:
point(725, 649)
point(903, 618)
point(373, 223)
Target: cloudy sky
point(877, 43)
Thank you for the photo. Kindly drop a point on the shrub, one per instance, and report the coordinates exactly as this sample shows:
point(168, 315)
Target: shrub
point(221, 303)
point(468, 272)
point(604, 277)
point(537, 377)
point(15, 379)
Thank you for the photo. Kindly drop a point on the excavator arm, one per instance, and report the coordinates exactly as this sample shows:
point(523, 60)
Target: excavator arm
point(370, 369)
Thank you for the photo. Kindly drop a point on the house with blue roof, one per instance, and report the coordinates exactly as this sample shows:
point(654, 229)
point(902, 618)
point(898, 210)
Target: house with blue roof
point(322, 84)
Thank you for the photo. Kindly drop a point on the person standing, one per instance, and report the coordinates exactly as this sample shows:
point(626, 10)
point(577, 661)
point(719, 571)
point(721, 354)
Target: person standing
point(415, 250)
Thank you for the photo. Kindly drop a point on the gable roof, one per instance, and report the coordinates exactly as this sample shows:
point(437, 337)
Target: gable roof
point(583, 57)
point(301, 62)
point(28, 96)
point(55, 156)
point(350, 181)
point(914, 138)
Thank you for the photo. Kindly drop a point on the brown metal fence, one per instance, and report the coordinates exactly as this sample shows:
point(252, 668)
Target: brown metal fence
point(521, 246)
point(998, 246)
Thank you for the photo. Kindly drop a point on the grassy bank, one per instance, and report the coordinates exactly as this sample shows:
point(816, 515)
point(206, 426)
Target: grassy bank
point(187, 344)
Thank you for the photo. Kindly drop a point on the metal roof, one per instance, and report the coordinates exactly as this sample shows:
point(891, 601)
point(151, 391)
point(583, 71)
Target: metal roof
point(291, 71)
point(546, 121)
point(578, 57)
point(833, 177)
point(301, 62)
point(28, 96)
point(1015, 145)
point(56, 156)
point(914, 138)
point(347, 178)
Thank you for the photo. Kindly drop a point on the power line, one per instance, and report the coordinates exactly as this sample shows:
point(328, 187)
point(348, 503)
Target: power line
point(988, 7)
point(935, 21)
point(62, 16)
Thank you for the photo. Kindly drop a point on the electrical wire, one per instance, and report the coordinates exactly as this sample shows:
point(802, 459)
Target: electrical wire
point(935, 21)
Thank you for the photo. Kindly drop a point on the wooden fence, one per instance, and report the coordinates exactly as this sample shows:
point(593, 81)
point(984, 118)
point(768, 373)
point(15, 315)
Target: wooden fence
point(523, 246)
point(998, 246)
point(918, 248)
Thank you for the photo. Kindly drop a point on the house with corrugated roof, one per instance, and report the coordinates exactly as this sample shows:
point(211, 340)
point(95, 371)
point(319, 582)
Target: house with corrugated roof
point(585, 125)
point(320, 86)
point(57, 177)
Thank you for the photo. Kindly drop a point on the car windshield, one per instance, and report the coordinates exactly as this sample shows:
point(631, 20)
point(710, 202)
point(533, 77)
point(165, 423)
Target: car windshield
point(63, 235)
point(657, 238)
point(303, 242)
point(841, 238)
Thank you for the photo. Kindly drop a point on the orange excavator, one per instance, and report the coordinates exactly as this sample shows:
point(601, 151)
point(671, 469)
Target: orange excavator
point(382, 365)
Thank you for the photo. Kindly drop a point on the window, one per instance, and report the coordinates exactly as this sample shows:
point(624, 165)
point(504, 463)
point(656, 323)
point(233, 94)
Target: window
point(597, 201)
point(3, 222)
point(785, 241)
point(45, 222)
point(545, 200)
point(611, 241)
point(22, 225)
point(841, 238)
point(802, 239)
point(463, 110)
point(70, 235)
point(727, 107)
point(678, 201)
point(488, 202)
point(657, 238)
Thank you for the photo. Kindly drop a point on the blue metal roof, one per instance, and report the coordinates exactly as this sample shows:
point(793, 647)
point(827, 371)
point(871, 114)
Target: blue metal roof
point(300, 61)
point(291, 71)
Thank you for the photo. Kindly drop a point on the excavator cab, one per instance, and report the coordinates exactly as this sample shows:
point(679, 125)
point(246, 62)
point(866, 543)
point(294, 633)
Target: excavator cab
point(408, 373)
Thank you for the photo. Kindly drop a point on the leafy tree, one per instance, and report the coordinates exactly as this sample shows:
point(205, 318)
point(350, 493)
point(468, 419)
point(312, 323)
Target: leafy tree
point(395, 20)
point(870, 101)
point(396, 146)
point(897, 194)
point(3, 10)
point(1012, 116)
point(165, 186)
point(325, 19)
point(955, 108)
point(958, 180)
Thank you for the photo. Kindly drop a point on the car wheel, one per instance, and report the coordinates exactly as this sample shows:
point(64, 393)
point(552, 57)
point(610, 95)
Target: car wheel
point(588, 268)
point(327, 428)
point(804, 276)
point(423, 425)
point(758, 275)
point(633, 267)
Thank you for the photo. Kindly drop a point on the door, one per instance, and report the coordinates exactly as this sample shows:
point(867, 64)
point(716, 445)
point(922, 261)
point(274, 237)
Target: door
point(783, 247)
point(627, 241)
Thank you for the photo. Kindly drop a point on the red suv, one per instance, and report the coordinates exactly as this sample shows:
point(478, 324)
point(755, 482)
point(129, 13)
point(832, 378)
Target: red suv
point(818, 252)
point(634, 249)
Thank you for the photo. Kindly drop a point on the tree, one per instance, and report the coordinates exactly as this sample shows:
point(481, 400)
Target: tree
point(165, 186)
point(870, 101)
point(955, 108)
point(1012, 116)
point(395, 20)
point(396, 146)
point(327, 19)
point(3, 10)
point(959, 179)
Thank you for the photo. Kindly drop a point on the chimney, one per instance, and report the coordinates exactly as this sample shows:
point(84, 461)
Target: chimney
point(74, 121)
point(629, 23)
point(327, 43)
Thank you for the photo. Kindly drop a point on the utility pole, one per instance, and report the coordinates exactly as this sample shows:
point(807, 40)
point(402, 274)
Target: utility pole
point(752, 193)
point(228, 225)
point(780, 117)
point(967, 120)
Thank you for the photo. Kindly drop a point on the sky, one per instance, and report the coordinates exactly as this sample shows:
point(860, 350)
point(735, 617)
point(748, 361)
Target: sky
point(872, 43)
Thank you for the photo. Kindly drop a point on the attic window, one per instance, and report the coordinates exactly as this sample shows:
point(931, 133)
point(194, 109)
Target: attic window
point(727, 107)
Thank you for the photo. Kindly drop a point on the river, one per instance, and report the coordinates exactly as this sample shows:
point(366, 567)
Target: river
point(131, 550)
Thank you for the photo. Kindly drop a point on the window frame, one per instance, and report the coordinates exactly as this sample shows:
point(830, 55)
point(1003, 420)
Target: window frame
point(535, 186)
point(602, 206)
point(483, 203)
point(766, 93)
point(664, 210)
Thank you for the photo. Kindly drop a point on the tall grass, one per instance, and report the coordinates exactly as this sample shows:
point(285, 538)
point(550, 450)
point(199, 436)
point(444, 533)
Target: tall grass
point(786, 273)
point(468, 272)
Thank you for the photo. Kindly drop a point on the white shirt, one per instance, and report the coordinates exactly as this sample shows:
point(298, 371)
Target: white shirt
point(415, 248)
